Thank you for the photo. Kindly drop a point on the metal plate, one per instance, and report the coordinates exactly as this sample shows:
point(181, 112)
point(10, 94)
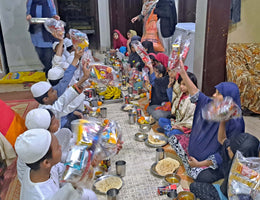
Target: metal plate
point(103, 178)
point(141, 137)
point(154, 172)
point(147, 118)
point(38, 20)
point(125, 105)
point(160, 137)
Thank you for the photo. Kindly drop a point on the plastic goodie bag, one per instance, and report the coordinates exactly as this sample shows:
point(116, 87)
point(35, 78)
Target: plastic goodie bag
point(180, 50)
point(87, 57)
point(140, 50)
point(244, 178)
point(92, 141)
point(53, 25)
point(79, 39)
point(221, 110)
point(101, 71)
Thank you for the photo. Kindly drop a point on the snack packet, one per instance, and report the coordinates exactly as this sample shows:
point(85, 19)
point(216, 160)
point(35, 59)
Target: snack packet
point(53, 25)
point(224, 110)
point(140, 50)
point(79, 39)
point(175, 54)
point(244, 177)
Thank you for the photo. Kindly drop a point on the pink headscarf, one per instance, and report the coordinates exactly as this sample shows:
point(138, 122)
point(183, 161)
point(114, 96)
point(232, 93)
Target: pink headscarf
point(162, 58)
point(121, 41)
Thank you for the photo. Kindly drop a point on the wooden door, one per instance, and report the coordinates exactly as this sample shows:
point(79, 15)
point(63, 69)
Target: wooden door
point(187, 10)
point(121, 13)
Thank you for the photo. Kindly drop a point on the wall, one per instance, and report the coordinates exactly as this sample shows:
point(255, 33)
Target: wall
point(248, 29)
point(18, 46)
point(104, 24)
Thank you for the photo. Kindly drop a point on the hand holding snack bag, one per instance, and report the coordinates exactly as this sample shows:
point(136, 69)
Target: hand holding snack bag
point(79, 39)
point(55, 26)
point(221, 110)
point(140, 50)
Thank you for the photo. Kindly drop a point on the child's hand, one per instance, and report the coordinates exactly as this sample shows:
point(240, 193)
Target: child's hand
point(78, 53)
point(57, 17)
point(193, 162)
point(28, 17)
point(58, 35)
point(177, 127)
point(78, 114)
point(86, 72)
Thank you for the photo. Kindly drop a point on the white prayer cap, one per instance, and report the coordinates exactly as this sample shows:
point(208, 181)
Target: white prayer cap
point(54, 45)
point(38, 118)
point(40, 88)
point(55, 73)
point(67, 42)
point(32, 145)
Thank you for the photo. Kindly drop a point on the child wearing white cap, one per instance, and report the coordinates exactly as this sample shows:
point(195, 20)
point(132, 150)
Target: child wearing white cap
point(41, 152)
point(68, 102)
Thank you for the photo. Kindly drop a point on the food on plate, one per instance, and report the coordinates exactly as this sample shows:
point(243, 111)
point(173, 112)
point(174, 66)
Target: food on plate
point(128, 107)
point(166, 166)
point(108, 183)
point(111, 92)
point(154, 140)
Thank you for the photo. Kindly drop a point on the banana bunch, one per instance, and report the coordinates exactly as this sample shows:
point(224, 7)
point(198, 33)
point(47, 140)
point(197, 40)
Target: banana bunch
point(111, 92)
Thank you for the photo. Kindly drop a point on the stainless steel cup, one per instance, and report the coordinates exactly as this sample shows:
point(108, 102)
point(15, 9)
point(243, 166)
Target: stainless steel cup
point(120, 167)
point(103, 112)
point(159, 154)
point(130, 90)
point(132, 118)
point(112, 194)
point(172, 194)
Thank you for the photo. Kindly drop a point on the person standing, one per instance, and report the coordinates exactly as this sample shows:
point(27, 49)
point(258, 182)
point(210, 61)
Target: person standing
point(41, 38)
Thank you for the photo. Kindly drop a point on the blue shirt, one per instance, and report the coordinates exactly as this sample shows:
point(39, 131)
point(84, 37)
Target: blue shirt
point(37, 37)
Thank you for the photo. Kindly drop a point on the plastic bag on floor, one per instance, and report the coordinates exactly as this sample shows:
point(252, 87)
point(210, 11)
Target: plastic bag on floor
point(23, 77)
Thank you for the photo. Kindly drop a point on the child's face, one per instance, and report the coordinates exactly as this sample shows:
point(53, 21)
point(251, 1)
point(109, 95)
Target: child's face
point(55, 124)
point(52, 97)
point(172, 73)
point(115, 35)
point(128, 35)
point(56, 150)
point(183, 88)
point(218, 96)
point(132, 49)
point(157, 73)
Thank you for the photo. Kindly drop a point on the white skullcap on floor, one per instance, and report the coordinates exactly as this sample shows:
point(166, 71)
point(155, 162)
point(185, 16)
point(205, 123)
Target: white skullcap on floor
point(38, 118)
point(32, 145)
point(40, 88)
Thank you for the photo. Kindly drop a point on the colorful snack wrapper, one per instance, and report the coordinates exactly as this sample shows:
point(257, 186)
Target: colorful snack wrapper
point(140, 50)
point(165, 189)
point(53, 25)
point(175, 54)
point(244, 177)
point(224, 110)
point(79, 39)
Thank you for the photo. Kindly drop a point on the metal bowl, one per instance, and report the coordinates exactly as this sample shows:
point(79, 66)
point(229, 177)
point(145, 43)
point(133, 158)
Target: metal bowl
point(185, 195)
point(141, 137)
point(145, 127)
point(159, 137)
point(172, 179)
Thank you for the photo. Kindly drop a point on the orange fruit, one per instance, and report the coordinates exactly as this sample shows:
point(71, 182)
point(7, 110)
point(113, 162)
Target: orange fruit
point(98, 110)
point(99, 103)
point(109, 70)
point(144, 94)
point(106, 121)
point(142, 118)
point(93, 83)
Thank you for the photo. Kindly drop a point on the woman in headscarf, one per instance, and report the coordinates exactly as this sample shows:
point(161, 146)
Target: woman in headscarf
point(204, 149)
point(163, 59)
point(245, 143)
point(129, 35)
point(118, 39)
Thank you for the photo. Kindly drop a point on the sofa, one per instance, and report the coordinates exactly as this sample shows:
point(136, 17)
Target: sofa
point(243, 68)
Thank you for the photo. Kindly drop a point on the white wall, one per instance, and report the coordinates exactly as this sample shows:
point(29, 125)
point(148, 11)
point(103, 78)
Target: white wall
point(201, 16)
point(104, 24)
point(19, 49)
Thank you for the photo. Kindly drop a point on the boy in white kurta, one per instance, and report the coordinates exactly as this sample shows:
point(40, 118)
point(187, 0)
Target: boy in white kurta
point(41, 152)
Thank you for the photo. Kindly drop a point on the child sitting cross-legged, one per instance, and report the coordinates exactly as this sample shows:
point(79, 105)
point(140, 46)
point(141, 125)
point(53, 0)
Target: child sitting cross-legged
point(41, 152)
